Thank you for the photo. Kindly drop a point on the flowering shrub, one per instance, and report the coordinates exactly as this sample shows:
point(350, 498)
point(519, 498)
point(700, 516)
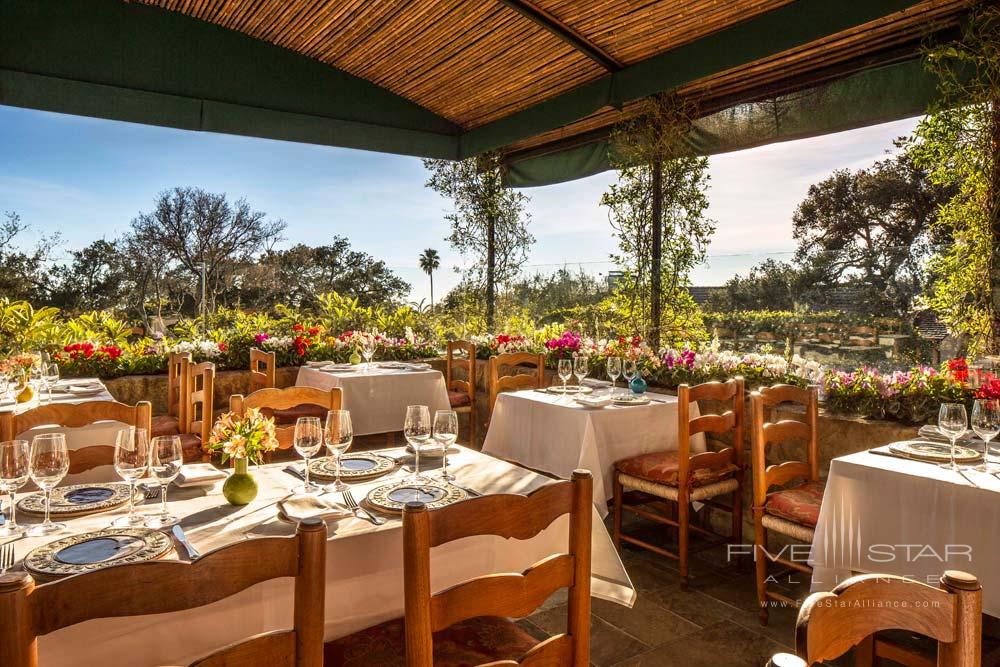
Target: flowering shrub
point(912, 396)
point(489, 345)
point(712, 363)
point(563, 347)
point(17, 363)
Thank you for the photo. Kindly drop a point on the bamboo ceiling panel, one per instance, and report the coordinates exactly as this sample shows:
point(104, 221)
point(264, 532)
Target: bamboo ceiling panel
point(749, 80)
point(632, 30)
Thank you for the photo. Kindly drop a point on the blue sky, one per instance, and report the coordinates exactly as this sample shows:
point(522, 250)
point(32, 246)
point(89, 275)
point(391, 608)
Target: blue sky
point(88, 178)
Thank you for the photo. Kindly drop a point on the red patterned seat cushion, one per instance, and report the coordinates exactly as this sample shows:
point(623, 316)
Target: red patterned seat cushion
point(191, 444)
point(472, 642)
point(291, 415)
point(799, 504)
point(458, 399)
point(663, 468)
point(166, 425)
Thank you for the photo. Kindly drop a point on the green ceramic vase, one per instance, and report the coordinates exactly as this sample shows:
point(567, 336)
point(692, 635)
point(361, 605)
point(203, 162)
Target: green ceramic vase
point(241, 487)
point(355, 358)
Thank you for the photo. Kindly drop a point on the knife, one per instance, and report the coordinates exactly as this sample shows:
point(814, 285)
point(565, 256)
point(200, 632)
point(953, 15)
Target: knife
point(193, 554)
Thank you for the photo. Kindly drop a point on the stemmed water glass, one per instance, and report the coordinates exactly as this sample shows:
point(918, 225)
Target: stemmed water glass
point(445, 434)
point(49, 463)
point(4, 386)
point(308, 440)
point(629, 371)
point(417, 431)
point(368, 351)
point(986, 424)
point(132, 454)
point(614, 370)
point(166, 459)
point(13, 475)
point(580, 369)
point(952, 423)
point(339, 436)
point(565, 370)
point(51, 378)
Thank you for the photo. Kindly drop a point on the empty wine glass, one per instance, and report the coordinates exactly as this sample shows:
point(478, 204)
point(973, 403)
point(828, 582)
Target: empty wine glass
point(986, 424)
point(952, 422)
point(308, 440)
point(339, 436)
point(49, 463)
point(614, 370)
point(4, 386)
point(628, 371)
point(445, 434)
point(368, 351)
point(580, 369)
point(14, 466)
point(417, 431)
point(51, 378)
point(565, 370)
point(166, 459)
point(131, 463)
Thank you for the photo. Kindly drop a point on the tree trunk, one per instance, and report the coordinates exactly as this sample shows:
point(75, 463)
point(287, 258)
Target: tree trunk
point(992, 343)
point(656, 268)
point(431, 274)
point(491, 259)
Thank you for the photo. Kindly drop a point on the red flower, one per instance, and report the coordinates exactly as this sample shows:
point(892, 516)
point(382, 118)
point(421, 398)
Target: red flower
point(313, 331)
point(111, 351)
point(222, 347)
point(989, 389)
point(959, 369)
point(298, 327)
point(300, 344)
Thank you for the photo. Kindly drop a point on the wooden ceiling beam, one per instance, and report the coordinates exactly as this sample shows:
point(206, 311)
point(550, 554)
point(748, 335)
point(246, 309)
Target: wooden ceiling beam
point(564, 32)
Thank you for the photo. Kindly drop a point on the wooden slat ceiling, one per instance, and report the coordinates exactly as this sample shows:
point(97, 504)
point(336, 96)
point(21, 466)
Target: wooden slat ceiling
point(748, 82)
point(477, 61)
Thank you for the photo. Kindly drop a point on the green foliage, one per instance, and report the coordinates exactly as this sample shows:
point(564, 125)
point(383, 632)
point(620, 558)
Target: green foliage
point(24, 328)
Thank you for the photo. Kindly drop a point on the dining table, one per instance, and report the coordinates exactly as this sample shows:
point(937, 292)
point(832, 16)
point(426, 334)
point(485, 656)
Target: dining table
point(377, 394)
point(98, 433)
point(364, 568)
point(555, 434)
point(887, 514)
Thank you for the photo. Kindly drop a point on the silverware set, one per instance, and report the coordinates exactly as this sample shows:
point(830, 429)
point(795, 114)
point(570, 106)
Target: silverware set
point(6, 557)
point(360, 511)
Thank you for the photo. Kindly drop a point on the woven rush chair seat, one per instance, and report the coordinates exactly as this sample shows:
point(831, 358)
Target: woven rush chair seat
point(671, 492)
point(664, 468)
point(798, 504)
point(789, 528)
point(474, 641)
point(166, 425)
point(459, 399)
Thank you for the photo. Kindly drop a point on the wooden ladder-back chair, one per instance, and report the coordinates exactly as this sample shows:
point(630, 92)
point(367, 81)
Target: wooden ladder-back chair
point(462, 390)
point(198, 416)
point(262, 365)
point(177, 373)
point(682, 478)
point(470, 618)
point(794, 511)
point(74, 415)
point(499, 383)
point(28, 611)
point(830, 624)
point(269, 401)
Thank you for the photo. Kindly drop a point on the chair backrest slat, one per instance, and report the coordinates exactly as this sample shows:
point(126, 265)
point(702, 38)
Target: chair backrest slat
point(75, 415)
point(28, 611)
point(200, 400)
point(730, 421)
point(764, 433)
point(830, 624)
point(502, 594)
point(271, 648)
point(283, 399)
point(262, 369)
point(499, 383)
point(177, 365)
point(466, 363)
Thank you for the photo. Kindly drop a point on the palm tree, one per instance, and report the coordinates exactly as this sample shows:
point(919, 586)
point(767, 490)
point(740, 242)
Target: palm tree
point(429, 262)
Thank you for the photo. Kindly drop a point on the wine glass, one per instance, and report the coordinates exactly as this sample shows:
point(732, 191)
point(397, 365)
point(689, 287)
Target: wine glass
point(445, 434)
point(37, 379)
point(368, 351)
point(417, 431)
point(580, 369)
point(51, 377)
point(952, 422)
point(565, 370)
point(308, 440)
point(339, 436)
point(4, 386)
point(166, 459)
point(131, 463)
point(13, 475)
point(49, 463)
point(986, 424)
point(614, 370)
point(628, 371)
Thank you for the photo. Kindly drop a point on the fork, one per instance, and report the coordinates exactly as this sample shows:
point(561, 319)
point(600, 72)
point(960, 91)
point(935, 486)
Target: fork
point(152, 492)
point(360, 511)
point(6, 557)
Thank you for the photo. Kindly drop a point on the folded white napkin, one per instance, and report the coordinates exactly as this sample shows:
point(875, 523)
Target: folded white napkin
point(303, 506)
point(595, 383)
point(196, 474)
point(593, 401)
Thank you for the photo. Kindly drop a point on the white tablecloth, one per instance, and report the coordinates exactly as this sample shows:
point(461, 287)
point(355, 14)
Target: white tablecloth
point(364, 570)
point(378, 398)
point(98, 433)
point(553, 434)
point(886, 515)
